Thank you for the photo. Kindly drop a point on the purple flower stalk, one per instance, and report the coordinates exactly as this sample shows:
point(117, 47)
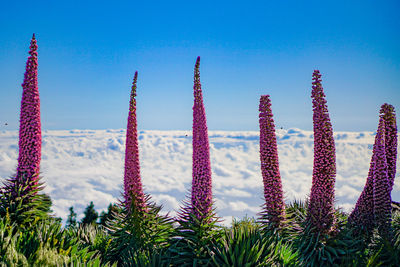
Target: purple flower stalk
point(373, 207)
point(273, 194)
point(201, 195)
point(381, 186)
point(363, 213)
point(388, 114)
point(30, 135)
point(133, 190)
point(322, 197)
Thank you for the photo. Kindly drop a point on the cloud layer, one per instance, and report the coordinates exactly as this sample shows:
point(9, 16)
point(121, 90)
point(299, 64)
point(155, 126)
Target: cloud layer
point(80, 166)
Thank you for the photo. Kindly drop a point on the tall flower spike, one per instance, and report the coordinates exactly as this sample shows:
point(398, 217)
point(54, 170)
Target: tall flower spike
point(30, 135)
point(378, 187)
point(381, 185)
point(133, 190)
point(322, 197)
point(388, 114)
point(201, 195)
point(274, 205)
point(363, 214)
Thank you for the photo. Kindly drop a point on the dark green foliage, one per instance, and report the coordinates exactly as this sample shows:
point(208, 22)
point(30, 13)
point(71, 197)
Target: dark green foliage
point(91, 214)
point(44, 244)
point(249, 243)
point(22, 202)
point(194, 239)
point(382, 252)
point(140, 237)
point(296, 213)
point(29, 236)
point(396, 230)
point(243, 245)
point(145, 238)
point(92, 237)
point(337, 247)
point(155, 258)
point(285, 255)
point(107, 216)
point(342, 246)
point(8, 238)
point(319, 249)
point(71, 219)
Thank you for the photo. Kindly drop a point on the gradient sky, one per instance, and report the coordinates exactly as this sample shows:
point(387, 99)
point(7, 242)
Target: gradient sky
point(89, 50)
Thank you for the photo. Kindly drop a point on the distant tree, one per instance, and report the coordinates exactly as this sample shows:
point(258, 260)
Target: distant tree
point(91, 214)
point(47, 203)
point(71, 220)
point(106, 216)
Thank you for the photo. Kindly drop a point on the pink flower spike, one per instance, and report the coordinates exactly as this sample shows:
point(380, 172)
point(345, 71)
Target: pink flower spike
point(133, 190)
point(388, 114)
point(322, 196)
point(382, 208)
point(274, 208)
point(30, 134)
point(201, 195)
point(373, 207)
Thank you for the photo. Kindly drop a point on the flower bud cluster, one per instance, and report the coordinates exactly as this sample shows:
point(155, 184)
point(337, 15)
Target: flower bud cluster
point(30, 135)
point(133, 189)
point(274, 207)
point(201, 195)
point(373, 207)
point(382, 208)
point(322, 196)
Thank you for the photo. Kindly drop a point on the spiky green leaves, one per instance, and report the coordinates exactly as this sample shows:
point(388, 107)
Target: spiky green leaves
point(22, 202)
point(44, 244)
point(194, 239)
point(138, 234)
point(244, 244)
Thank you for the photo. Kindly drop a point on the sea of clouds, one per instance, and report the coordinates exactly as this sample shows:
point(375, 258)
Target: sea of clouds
point(79, 166)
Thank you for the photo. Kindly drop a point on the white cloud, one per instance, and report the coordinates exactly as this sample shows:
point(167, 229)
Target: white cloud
point(227, 220)
point(242, 206)
point(80, 166)
point(347, 192)
point(236, 192)
point(167, 201)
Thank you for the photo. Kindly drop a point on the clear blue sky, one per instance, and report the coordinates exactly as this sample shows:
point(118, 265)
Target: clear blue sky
point(89, 50)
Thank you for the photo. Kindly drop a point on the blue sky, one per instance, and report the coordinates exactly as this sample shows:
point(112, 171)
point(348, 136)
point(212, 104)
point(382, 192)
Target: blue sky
point(89, 51)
